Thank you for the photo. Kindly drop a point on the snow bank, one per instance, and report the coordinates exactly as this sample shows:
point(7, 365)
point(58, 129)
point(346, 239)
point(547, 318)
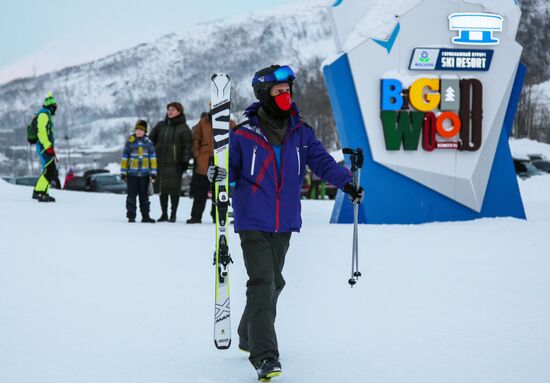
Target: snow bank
point(535, 189)
point(523, 147)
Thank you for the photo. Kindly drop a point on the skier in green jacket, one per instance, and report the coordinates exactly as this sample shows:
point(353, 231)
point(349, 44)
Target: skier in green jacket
point(45, 150)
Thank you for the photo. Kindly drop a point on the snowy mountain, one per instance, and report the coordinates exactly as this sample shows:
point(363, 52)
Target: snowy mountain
point(100, 101)
point(138, 82)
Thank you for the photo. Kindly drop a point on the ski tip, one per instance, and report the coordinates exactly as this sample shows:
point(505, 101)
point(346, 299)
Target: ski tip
point(220, 74)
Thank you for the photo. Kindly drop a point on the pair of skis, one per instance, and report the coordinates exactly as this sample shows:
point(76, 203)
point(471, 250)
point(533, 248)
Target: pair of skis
point(220, 96)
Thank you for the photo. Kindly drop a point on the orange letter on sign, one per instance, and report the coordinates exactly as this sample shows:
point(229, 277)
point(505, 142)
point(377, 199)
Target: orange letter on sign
point(428, 102)
point(455, 120)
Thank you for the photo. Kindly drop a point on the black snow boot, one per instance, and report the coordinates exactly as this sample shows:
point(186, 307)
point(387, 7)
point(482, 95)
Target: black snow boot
point(193, 220)
point(44, 197)
point(147, 219)
point(163, 218)
point(268, 368)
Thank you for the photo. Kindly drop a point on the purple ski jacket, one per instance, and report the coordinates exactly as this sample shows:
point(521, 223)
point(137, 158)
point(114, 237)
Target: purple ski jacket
point(264, 200)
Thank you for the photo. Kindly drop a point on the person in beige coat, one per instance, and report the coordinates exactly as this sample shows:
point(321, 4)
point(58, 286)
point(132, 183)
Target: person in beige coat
point(203, 151)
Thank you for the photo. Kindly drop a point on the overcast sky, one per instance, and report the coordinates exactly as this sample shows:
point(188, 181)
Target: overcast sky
point(39, 36)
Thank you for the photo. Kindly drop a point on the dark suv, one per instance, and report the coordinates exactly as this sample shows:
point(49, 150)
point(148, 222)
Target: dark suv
point(106, 183)
point(542, 165)
point(525, 169)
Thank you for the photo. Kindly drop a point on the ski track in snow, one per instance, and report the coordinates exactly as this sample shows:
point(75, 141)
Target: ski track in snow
point(86, 297)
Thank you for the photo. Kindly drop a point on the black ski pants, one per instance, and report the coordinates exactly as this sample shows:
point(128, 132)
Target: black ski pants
point(137, 187)
point(264, 258)
point(200, 195)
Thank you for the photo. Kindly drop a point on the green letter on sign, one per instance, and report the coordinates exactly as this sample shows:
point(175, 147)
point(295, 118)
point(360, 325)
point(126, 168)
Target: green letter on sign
point(402, 127)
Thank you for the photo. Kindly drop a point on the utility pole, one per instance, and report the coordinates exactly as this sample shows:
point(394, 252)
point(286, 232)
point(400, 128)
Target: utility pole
point(68, 162)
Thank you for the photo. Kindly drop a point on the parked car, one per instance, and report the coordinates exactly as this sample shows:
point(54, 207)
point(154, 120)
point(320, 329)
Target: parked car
point(536, 156)
point(542, 165)
point(525, 169)
point(76, 184)
point(106, 183)
point(26, 181)
point(22, 180)
point(91, 172)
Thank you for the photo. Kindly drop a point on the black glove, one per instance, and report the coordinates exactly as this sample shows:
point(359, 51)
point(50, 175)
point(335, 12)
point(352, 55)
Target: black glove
point(216, 174)
point(124, 177)
point(185, 166)
point(356, 196)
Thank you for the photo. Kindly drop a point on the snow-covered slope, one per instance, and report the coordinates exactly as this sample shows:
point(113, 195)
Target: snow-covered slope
point(86, 297)
point(140, 81)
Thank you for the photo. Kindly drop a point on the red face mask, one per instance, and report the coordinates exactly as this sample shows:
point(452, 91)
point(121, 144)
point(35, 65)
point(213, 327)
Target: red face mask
point(283, 101)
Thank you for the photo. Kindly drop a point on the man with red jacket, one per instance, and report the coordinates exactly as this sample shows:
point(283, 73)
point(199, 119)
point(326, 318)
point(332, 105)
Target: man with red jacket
point(268, 155)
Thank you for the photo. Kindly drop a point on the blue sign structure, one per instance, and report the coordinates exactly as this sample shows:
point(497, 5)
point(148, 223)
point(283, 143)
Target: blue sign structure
point(436, 146)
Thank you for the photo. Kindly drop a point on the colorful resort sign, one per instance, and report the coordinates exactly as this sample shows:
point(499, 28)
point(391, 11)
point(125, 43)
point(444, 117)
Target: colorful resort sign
point(432, 106)
point(448, 121)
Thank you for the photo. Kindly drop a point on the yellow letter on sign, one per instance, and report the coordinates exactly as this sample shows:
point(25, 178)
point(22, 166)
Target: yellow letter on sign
point(416, 94)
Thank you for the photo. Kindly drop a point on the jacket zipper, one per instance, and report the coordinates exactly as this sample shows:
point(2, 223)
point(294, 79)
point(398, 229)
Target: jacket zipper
point(277, 186)
point(299, 162)
point(253, 160)
point(278, 192)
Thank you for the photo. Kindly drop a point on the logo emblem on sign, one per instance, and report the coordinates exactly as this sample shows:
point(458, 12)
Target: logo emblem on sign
point(475, 28)
point(424, 57)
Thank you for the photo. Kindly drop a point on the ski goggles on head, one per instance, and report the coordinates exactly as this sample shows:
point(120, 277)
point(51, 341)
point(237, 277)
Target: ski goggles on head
point(281, 74)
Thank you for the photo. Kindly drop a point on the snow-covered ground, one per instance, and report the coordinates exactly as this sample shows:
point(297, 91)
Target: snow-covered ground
point(86, 297)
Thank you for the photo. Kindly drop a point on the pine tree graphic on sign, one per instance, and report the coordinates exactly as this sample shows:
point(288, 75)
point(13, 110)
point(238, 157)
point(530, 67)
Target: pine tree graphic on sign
point(450, 95)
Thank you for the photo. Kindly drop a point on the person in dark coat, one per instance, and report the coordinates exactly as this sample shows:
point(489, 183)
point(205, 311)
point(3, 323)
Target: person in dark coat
point(268, 155)
point(172, 139)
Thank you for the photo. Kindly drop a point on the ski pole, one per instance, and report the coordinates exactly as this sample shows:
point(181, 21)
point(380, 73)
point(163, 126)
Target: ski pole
point(356, 158)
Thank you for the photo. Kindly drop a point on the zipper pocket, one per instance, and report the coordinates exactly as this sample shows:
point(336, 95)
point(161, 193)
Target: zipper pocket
point(253, 161)
point(299, 162)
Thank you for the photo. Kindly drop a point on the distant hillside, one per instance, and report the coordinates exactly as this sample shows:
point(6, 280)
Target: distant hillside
point(100, 100)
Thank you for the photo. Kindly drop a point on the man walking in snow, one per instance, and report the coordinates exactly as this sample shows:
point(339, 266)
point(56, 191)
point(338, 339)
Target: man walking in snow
point(45, 150)
point(267, 160)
